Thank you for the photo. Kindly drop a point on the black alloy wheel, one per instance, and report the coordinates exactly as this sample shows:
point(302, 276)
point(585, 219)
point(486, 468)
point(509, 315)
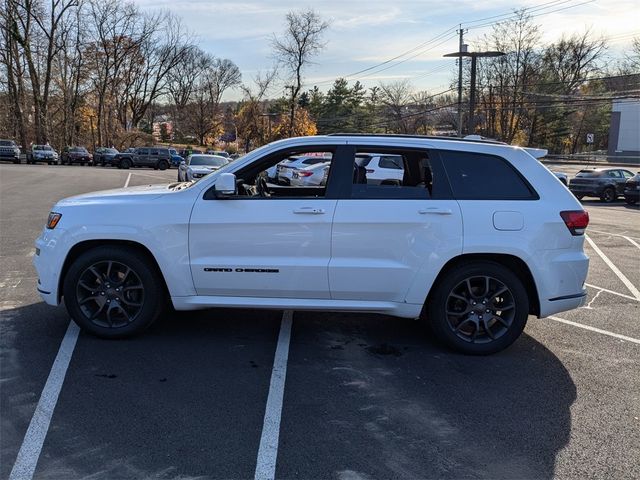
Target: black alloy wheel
point(479, 308)
point(113, 292)
point(608, 195)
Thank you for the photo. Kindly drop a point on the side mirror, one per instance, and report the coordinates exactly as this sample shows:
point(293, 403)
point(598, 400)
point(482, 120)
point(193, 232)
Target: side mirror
point(225, 185)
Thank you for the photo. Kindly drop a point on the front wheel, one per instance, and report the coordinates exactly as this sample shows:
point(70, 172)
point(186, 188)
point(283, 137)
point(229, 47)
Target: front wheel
point(113, 292)
point(608, 195)
point(125, 163)
point(163, 165)
point(478, 308)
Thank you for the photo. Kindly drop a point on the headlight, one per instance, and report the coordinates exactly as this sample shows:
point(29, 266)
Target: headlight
point(53, 220)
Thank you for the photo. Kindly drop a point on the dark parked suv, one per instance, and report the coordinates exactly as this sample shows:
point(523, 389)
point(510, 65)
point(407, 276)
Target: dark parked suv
point(71, 155)
point(158, 158)
point(606, 183)
point(9, 151)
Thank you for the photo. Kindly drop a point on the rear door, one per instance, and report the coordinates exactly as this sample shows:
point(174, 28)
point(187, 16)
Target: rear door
point(384, 236)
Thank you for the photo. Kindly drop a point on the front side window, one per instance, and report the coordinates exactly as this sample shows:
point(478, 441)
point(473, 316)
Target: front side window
point(143, 151)
point(295, 173)
point(476, 176)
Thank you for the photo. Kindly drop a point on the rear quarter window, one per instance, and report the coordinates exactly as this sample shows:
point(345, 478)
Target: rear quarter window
point(476, 176)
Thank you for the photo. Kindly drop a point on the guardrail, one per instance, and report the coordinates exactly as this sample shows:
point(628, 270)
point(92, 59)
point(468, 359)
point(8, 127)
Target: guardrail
point(594, 160)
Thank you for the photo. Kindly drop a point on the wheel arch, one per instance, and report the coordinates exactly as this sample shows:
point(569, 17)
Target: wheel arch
point(86, 245)
point(512, 262)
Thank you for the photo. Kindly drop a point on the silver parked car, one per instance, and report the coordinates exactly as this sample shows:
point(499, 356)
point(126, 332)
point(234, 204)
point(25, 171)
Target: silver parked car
point(199, 165)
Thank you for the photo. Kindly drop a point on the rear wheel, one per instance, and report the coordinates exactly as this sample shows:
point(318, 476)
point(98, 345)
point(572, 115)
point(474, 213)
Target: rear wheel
point(608, 195)
point(125, 163)
point(113, 292)
point(478, 308)
point(630, 201)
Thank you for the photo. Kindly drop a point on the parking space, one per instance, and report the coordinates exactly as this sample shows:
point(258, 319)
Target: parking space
point(365, 396)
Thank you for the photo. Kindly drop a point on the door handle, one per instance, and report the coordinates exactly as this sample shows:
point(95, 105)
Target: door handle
point(435, 211)
point(309, 210)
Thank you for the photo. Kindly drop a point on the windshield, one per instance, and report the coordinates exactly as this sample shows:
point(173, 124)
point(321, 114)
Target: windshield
point(79, 149)
point(208, 160)
point(110, 150)
point(6, 143)
point(42, 147)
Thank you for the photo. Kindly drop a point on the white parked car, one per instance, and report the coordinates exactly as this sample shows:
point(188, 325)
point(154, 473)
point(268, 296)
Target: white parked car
point(197, 166)
point(381, 168)
point(475, 238)
point(43, 153)
point(313, 175)
point(285, 169)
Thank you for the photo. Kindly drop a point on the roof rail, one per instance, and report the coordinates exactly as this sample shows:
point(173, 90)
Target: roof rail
point(423, 137)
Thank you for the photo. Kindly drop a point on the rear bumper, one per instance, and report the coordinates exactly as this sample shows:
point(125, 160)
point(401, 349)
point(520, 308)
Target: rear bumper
point(561, 281)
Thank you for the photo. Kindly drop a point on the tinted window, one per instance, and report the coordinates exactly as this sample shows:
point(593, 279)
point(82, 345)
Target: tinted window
point(391, 162)
point(6, 143)
point(626, 174)
point(614, 174)
point(143, 151)
point(475, 176)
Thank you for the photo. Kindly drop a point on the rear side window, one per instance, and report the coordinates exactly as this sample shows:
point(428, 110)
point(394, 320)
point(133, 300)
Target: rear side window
point(394, 162)
point(476, 176)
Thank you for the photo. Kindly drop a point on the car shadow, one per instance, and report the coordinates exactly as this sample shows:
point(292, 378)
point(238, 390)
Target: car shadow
point(598, 203)
point(365, 394)
point(390, 402)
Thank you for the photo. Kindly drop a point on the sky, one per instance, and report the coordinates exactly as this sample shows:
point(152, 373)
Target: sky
point(363, 34)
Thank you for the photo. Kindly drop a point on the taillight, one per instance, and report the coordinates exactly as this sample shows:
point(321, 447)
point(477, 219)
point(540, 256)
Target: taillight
point(575, 220)
point(305, 174)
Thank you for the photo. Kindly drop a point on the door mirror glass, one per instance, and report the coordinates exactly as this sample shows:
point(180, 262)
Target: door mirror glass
point(225, 184)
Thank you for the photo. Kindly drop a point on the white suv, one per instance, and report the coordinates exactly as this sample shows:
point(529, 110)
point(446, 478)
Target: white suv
point(474, 238)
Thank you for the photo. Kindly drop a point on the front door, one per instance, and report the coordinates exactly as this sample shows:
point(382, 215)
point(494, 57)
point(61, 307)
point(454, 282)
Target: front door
point(267, 241)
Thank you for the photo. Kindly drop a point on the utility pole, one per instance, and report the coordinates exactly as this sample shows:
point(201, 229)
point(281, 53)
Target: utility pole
point(462, 52)
point(460, 49)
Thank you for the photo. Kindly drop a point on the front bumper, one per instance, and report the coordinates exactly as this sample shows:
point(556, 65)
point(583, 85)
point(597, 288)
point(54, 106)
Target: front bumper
point(48, 263)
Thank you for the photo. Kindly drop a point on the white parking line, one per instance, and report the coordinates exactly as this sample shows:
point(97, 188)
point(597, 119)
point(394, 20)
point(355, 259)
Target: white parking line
point(29, 453)
point(634, 291)
point(594, 329)
point(268, 451)
point(126, 184)
point(616, 235)
point(631, 241)
point(612, 292)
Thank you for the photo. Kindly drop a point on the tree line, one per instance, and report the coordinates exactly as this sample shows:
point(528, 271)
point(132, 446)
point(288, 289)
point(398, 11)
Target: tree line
point(101, 72)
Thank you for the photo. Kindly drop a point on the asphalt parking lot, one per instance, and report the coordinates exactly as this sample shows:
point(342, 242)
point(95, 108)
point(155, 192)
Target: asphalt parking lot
point(365, 396)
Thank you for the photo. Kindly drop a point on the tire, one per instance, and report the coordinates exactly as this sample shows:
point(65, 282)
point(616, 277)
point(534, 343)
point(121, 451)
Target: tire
point(163, 165)
point(125, 163)
point(630, 201)
point(94, 302)
point(457, 314)
point(50, 163)
point(16, 162)
point(608, 195)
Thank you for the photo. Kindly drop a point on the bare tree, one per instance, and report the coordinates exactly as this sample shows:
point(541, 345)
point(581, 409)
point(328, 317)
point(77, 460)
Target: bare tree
point(35, 28)
point(395, 97)
point(301, 41)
